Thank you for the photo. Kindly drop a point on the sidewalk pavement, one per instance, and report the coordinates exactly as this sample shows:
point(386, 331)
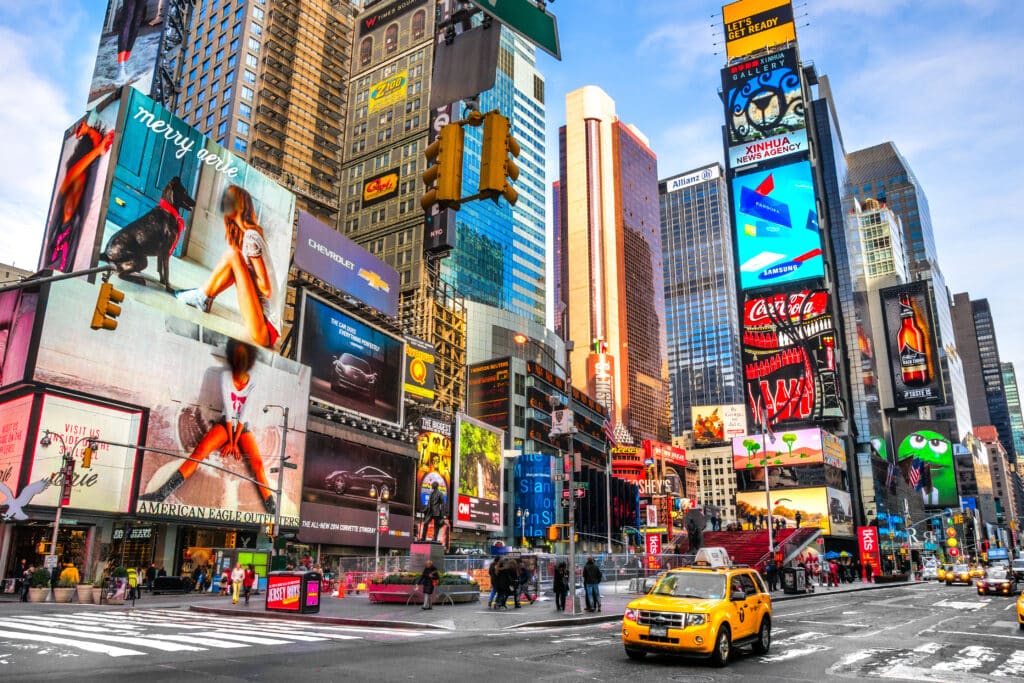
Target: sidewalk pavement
point(357, 610)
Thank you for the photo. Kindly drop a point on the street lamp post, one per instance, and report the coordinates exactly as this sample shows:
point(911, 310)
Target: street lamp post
point(67, 461)
point(281, 465)
point(383, 514)
point(521, 515)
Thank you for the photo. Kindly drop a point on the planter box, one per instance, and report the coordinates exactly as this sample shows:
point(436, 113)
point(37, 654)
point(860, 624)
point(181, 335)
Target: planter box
point(38, 594)
point(97, 595)
point(400, 593)
point(84, 593)
point(63, 594)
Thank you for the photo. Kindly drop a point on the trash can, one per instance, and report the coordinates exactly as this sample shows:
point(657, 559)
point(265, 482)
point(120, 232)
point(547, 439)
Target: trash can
point(794, 580)
point(297, 592)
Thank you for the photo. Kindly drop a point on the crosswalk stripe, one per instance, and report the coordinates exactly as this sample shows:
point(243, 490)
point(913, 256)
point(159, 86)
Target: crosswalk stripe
point(271, 626)
point(235, 626)
point(1013, 667)
point(39, 626)
point(968, 659)
point(96, 648)
point(228, 635)
point(196, 639)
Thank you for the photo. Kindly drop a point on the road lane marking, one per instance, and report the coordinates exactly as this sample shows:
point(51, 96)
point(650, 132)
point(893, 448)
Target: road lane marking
point(39, 626)
point(1013, 667)
point(968, 659)
point(96, 648)
point(975, 634)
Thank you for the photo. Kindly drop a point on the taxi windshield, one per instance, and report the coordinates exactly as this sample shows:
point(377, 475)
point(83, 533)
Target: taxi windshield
point(691, 585)
point(960, 568)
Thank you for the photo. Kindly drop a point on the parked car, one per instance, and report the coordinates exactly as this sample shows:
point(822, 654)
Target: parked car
point(353, 375)
point(370, 480)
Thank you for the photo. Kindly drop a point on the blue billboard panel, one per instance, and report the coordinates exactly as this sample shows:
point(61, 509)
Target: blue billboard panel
point(534, 495)
point(777, 234)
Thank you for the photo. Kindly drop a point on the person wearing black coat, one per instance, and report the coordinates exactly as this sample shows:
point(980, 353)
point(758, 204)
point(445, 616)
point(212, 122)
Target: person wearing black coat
point(561, 586)
point(428, 579)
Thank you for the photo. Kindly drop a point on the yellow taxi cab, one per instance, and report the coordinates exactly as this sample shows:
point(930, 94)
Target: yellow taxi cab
point(1020, 612)
point(960, 573)
point(706, 610)
point(943, 571)
point(977, 571)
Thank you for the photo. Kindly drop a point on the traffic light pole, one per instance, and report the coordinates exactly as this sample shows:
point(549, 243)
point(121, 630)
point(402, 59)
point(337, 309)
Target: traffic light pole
point(34, 281)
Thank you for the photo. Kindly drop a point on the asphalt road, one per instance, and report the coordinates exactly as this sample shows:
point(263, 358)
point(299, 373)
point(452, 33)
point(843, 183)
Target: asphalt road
point(923, 633)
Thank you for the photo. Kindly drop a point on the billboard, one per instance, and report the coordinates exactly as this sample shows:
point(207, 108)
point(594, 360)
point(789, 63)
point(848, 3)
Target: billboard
point(489, 391)
point(420, 359)
point(479, 473)
point(534, 495)
point(753, 25)
point(924, 451)
point(333, 258)
point(833, 450)
point(387, 13)
point(387, 92)
point(789, 359)
point(764, 108)
point(343, 483)
point(786, 449)
point(17, 322)
point(179, 372)
point(718, 424)
point(777, 237)
point(814, 505)
point(106, 486)
point(434, 445)
point(381, 187)
point(193, 230)
point(688, 179)
point(911, 338)
point(14, 419)
point(354, 365)
point(870, 552)
point(789, 477)
point(77, 201)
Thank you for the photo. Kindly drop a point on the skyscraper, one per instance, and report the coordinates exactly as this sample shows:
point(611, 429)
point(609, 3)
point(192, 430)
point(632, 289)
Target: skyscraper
point(267, 81)
point(610, 265)
point(1014, 406)
point(976, 330)
point(880, 172)
point(700, 293)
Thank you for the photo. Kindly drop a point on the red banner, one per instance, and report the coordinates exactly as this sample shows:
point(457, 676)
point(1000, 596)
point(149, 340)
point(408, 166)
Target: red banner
point(653, 542)
point(867, 540)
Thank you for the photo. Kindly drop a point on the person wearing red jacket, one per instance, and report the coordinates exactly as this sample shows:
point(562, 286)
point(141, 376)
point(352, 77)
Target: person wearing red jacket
point(248, 581)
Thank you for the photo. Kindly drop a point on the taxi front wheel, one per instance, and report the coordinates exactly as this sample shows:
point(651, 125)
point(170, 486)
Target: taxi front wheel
point(764, 637)
point(723, 646)
point(634, 654)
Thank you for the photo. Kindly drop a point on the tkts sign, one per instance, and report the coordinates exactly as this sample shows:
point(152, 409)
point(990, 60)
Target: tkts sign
point(789, 358)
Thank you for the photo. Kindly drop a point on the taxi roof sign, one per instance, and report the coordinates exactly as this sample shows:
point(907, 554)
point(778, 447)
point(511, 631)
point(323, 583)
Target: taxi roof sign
point(712, 557)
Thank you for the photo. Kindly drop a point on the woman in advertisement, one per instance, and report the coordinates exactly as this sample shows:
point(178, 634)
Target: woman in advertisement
point(129, 21)
point(65, 227)
point(231, 436)
point(246, 265)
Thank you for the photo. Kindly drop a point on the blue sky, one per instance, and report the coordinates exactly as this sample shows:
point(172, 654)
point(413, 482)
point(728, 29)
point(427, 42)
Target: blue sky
point(942, 79)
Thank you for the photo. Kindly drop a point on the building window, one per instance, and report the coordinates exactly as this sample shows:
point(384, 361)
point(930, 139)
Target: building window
point(391, 39)
point(241, 145)
point(250, 77)
point(365, 51)
point(250, 60)
point(520, 385)
point(242, 127)
point(245, 111)
point(247, 93)
point(419, 24)
point(520, 416)
point(256, 29)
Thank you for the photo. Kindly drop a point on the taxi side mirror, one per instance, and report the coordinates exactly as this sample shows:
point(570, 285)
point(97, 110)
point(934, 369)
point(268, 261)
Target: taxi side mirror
point(738, 596)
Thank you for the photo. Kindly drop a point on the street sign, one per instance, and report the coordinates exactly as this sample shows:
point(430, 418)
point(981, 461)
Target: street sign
point(528, 20)
point(581, 493)
point(559, 477)
point(50, 562)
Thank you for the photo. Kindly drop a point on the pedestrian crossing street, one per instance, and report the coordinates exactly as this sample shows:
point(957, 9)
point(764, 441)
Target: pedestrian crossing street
point(150, 631)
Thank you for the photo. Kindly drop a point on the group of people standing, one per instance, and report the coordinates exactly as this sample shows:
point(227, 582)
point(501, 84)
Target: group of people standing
point(510, 578)
point(238, 582)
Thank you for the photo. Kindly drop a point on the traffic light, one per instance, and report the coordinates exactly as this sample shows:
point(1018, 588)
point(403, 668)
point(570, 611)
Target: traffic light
point(553, 533)
point(87, 456)
point(497, 170)
point(443, 176)
point(268, 529)
point(952, 543)
point(107, 309)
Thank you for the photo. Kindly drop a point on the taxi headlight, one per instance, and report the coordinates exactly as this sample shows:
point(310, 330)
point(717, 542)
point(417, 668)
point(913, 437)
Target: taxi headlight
point(695, 619)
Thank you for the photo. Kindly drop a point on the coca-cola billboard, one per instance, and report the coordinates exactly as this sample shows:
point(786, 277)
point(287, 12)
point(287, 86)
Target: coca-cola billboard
point(790, 359)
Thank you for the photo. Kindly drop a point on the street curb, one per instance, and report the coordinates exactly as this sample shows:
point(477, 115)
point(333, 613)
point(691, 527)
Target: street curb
point(568, 621)
point(316, 619)
point(876, 587)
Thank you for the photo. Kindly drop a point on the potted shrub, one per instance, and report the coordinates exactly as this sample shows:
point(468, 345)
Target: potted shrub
point(39, 586)
point(97, 590)
point(64, 591)
point(84, 589)
point(400, 587)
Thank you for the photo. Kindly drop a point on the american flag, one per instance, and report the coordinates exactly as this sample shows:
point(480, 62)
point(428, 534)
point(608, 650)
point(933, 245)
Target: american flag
point(916, 471)
point(609, 432)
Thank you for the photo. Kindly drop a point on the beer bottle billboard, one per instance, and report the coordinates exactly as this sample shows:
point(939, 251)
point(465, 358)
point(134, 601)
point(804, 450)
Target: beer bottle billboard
point(912, 343)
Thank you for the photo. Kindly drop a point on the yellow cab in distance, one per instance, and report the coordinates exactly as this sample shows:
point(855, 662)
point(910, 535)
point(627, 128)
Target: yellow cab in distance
point(977, 571)
point(943, 571)
point(703, 610)
point(1020, 611)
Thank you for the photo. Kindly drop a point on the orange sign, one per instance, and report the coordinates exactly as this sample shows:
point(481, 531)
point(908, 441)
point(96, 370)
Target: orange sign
point(380, 187)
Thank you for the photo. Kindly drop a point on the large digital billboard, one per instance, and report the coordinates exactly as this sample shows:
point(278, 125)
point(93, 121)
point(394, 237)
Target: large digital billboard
point(910, 336)
point(479, 473)
point(489, 392)
point(343, 484)
point(924, 451)
point(14, 423)
point(753, 25)
point(764, 108)
point(354, 365)
point(17, 322)
point(420, 362)
point(107, 484)
point(535, 498)
point(193, 389)
point(790, 447)
point(328, 255)
point(791, 477)
point(434, 445)
point(718, 424)
point(789, 359)
point(193, 230)
point(777, 236)
point(819, 507)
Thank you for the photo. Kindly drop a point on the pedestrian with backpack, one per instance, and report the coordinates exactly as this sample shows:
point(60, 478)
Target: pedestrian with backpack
point(592, 585)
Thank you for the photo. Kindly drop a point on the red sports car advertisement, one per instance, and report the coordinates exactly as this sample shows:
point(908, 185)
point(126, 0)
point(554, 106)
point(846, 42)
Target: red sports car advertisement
point(284, 592)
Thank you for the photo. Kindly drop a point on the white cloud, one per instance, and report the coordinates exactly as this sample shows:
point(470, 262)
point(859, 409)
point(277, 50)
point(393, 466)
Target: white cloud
point(33, 117)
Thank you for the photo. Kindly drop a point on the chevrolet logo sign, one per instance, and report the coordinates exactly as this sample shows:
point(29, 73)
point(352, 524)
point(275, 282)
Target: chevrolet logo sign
point(375, 281)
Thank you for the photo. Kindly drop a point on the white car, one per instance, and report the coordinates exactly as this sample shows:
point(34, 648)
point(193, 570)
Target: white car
point(930, 572)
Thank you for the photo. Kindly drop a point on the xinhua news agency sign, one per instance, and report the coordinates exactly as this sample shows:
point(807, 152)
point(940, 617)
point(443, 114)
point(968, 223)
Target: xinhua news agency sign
point(341, 263)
